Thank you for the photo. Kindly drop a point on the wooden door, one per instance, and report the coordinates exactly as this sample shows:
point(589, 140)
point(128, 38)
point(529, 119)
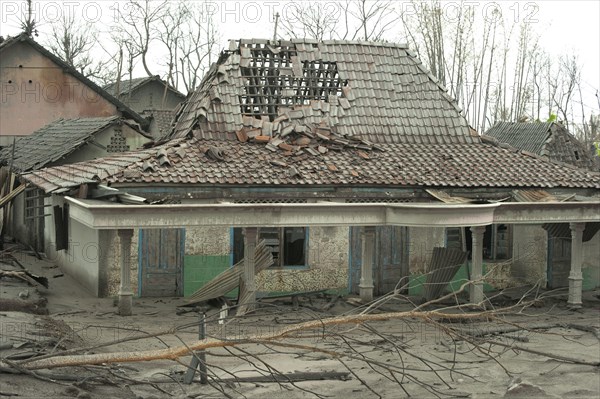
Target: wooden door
point(559, 261)
point(161, 254)
point(390, 261)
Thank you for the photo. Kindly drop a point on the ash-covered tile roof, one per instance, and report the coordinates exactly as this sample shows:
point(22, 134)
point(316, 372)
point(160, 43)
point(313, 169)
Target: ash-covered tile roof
point(126, 85)
point(378, 92)
point(62, 178)
point(545, 139)
point(227, 162)
point(163, 119)
point(522, 135)
point(53, 142)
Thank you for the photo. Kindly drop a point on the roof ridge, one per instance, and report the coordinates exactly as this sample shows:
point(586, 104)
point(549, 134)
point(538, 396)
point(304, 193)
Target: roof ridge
point(326, 42)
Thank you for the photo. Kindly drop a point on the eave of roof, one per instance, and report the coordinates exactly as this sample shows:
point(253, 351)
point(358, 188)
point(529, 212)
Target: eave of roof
point(196, 162)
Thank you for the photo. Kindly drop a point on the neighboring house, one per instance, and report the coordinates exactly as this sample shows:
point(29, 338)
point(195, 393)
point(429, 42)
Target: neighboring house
point(550, 140)
point(152, 97)
point(39, 88)
point(306, 122)
point(62, 142)
point(554, 142)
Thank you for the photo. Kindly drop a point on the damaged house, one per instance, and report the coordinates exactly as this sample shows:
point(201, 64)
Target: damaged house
point(348, 158)
point(55, 115)
point(38, 88)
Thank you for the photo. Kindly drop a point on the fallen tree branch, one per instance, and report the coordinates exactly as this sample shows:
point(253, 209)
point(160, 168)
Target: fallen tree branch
point(179, 351)
point(546, 354)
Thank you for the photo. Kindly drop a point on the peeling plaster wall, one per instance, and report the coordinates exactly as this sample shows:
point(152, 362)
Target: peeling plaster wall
point(207, 241)
point(327, 264)
point(530, 255)
point(327, 260)
point(422, 240)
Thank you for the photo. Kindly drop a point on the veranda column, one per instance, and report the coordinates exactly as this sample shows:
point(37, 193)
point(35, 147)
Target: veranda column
point(125, 293)
point(366, 270)
point(248, 288)
point(575, 276)
point(476, 289)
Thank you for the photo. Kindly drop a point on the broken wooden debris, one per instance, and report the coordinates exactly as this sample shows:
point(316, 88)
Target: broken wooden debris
point(26, 276)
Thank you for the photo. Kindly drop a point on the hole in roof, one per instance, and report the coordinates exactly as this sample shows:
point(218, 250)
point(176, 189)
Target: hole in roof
point(10, 81)
point(20, 66)
point(270, 81)
point(30, 81)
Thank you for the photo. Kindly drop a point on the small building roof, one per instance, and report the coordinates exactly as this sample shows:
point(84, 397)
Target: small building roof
point(24, 38)
point(163, 118)
point(379, 92)
point(130, 85)
point(54, 142)
point(545, 139)
point(227, 163)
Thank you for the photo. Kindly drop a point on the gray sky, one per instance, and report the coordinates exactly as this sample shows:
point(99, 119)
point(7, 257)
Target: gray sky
point(564, 26)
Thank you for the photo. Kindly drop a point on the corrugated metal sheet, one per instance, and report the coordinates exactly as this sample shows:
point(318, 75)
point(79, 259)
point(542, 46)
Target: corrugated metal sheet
point(533, 196)
point(563, 230)
point(444, 264)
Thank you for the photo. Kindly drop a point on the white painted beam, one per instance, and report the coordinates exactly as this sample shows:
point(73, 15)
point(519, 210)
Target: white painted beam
point(100, 215)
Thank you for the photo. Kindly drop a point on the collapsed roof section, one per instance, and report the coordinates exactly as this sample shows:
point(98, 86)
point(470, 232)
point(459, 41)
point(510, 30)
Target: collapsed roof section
point(329, 94)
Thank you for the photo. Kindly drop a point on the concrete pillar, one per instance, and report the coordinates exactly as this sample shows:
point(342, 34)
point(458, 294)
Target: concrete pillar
point(366, 270)
point(575, 276)
point(476, 289)
point(125, 293)
point(248, 296)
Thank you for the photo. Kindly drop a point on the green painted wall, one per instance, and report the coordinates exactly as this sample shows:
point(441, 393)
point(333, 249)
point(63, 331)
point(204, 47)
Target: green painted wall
point(591, 278)
point(416, 282)
point(200, 269)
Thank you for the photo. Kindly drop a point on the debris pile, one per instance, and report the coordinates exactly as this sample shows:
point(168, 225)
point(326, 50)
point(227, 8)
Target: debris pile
point(301, 129)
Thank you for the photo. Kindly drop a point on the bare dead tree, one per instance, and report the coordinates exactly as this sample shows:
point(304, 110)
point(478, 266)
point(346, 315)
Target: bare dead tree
point(73, 43)
point(137, 21)
point(27, 22)
point(315, 20)
point(348, 20)
point(569, 73)
point(194, 49)
point(368, 19)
